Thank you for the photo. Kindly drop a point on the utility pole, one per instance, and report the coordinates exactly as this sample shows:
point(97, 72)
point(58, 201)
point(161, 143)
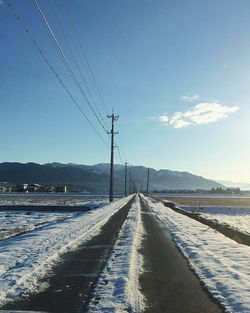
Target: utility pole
point(112, 133)
point(129, 183)
point(126, 174)
point(147, 181)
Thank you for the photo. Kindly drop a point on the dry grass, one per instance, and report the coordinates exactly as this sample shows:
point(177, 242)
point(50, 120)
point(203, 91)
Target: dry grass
point(197, 201)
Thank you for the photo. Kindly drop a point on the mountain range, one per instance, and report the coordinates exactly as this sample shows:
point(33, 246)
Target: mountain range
point(230, 184)
point(96, 177)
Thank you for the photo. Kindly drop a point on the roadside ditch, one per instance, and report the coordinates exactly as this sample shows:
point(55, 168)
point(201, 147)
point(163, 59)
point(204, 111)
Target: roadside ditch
point(225, 229)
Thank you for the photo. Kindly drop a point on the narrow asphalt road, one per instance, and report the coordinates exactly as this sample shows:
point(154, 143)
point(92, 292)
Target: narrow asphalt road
point(167, 282)
point(71, 282)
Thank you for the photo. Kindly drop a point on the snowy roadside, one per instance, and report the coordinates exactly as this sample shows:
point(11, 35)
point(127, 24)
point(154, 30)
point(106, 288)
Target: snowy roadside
point(220, 263)
point(117, 289)
point(27, 258)
point(237, 217)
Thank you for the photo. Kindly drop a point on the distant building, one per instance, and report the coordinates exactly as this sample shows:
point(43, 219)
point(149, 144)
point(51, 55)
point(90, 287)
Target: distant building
point(61, 189)
point(7, 187)
point(34, 188)
point(21, 188)
point(10, 187)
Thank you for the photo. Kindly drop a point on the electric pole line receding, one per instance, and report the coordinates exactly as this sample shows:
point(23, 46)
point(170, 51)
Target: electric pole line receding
point(147, 180)
point(126, 174)
point(112, 133)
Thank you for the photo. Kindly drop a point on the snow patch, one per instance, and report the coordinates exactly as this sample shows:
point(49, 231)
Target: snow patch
point(117, 289)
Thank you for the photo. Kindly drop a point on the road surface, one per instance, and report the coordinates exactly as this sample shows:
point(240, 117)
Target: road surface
point(167, 282)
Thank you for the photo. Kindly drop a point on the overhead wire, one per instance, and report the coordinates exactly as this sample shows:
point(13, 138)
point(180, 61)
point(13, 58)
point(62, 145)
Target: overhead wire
point(68, 10)
point(71, 53)
point(76, 62)
point(58, 45)
point(122, 148)
point(68, 67)
point(45, 59)
point(65, 60)
point(74, 29)
point(119, 154)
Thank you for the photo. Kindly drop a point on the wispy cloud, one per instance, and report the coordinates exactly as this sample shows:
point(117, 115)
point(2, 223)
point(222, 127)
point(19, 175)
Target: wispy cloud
point(189, 98)
point(202, 113)
point(1, 3)
point(164, 118)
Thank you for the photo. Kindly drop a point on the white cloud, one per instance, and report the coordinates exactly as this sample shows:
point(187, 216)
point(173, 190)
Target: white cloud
point(189, 98)
point(202, 113)
point(1, 2)
point(177, 121)
point(164, 118)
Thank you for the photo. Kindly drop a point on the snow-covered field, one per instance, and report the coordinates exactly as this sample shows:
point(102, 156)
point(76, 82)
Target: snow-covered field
point(27, 258)
point(220, 263)
point(117, 289)
point(43, 199)
point(237, 217)
point(15, 223)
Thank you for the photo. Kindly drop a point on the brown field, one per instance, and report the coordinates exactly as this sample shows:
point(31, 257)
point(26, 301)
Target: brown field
point(199, 201)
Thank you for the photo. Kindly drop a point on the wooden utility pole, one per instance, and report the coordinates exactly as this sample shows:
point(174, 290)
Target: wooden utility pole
point(147, 180)
point(112, 133)
point(126, 174)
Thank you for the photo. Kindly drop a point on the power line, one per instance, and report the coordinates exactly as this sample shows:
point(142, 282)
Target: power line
point(76, 63)
point(122, 148)
point(45, 59)
point(64, 59)
point(75, 60)
point(66, 62)
point(85, 56)
point(119, 154)
point(73, 26)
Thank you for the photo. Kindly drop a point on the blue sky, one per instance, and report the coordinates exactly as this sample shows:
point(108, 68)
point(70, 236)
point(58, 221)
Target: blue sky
point(151, 59)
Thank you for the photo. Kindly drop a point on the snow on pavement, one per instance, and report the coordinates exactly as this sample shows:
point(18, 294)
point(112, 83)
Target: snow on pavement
point(220, 263)
point(117, 289)
point(27, 258)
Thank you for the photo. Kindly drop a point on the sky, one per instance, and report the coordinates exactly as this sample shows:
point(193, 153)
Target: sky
point(177, 72)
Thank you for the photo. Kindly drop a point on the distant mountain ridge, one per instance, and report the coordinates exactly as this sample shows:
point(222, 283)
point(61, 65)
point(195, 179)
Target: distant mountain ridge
point(96, 177)
point(230, 184)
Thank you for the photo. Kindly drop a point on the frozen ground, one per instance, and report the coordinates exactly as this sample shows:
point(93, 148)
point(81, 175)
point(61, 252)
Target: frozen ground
point(25, 259)
point(237, 217)
point(220, 263)
point(118, 287)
